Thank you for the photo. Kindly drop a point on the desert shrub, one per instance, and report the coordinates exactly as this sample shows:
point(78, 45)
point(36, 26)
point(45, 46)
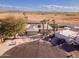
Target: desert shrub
point(10, 26)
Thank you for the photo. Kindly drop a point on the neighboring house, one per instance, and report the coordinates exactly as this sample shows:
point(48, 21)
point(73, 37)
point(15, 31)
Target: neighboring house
point(34, 28)
point(69, 35)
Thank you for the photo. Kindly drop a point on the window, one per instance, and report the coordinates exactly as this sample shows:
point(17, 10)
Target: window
point(39, 26)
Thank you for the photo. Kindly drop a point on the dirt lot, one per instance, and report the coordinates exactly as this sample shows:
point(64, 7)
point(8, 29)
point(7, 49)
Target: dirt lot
point(36, 18)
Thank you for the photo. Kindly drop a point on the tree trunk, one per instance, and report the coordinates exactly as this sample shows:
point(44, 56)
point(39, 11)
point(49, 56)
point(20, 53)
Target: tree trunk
point(2, 40)
point(54, 27)
point(15, 36)
point(43, 28)
point(47, 27)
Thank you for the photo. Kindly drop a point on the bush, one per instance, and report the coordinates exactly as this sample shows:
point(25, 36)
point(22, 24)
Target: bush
point(10, 26)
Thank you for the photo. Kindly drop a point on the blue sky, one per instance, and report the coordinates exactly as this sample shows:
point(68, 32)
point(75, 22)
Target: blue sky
point(42, 5)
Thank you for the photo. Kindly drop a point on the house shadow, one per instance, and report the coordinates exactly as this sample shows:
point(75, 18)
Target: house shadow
point(69, 47)
point(65, 46)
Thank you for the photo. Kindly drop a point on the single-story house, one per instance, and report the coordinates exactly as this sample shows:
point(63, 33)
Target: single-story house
point(34, 28)
point(68, 35)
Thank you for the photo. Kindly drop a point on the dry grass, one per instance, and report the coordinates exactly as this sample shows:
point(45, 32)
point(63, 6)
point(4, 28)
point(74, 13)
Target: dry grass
point(63, 19)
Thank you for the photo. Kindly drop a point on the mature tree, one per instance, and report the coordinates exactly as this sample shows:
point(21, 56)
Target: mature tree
point(43, 22)
point(24, 13)
point(47, 25)
point(10, 26)
point(26, 17)
point(55, 26)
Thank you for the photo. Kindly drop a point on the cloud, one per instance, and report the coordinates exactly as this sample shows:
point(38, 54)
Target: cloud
point(41, 8)
point(60, 6)
point(15, 7)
